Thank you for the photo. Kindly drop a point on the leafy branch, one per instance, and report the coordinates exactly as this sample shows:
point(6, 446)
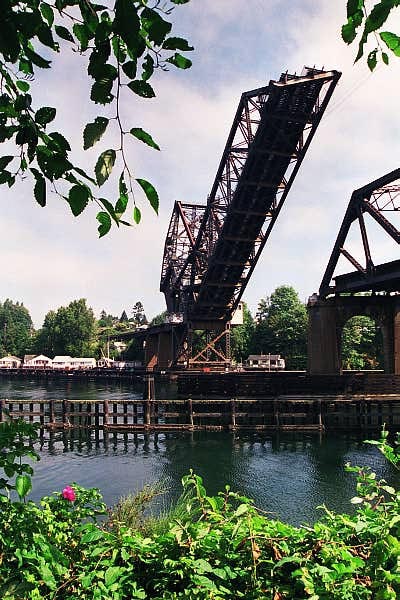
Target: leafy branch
point(370, 22)
point(124, 46)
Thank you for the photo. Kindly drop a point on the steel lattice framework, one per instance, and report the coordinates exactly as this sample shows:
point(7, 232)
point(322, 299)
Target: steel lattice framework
point(211, 251)
point(378, 197)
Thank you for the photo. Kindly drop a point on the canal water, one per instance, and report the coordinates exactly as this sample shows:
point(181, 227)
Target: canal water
point(287, 474)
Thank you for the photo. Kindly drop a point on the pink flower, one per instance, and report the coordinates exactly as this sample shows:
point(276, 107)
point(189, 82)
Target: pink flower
point(68, 493)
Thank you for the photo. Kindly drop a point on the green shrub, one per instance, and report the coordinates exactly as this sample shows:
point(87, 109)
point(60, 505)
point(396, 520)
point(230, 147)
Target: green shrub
point(212, 547)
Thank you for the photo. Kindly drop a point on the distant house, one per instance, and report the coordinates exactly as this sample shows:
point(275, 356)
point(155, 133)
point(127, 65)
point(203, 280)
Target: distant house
point(62, 362)
point(83, 363)
point(267, 362)
point(36, 361)
point(10, 362)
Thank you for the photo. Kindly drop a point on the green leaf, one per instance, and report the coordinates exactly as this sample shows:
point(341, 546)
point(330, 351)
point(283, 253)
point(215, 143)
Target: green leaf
point(348, 32)
point(130, 68)
point(112, 574)
point(150, 192)
point(104, 166)
point(40, 188)
point(110, 209)
point(145, 137)
point(156, 27)
point(78, 199)
point(180, 1)
point(179, 61)
point(23, 485)
point(4, 161)
point(392, 41)
point(47, 12)
point(121, 204)
point(177, 43)
point(59, 142)
point(353, 6)
point(385, 58)
point(101, 92)
point(93, 132)
point(23, 85)
point(141, 88)
point(147, 67)
point(64, 33)
point(45, 115)
point(37, 60)
point(137, 215)
point(123, 190)
point(105, 223)
point(83, 34)
point(377, 16)
point(371, 60)
point(126, 22)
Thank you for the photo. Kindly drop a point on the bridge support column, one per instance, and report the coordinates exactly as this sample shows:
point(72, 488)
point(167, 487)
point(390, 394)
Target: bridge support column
point(396, 336)
point(323, 339)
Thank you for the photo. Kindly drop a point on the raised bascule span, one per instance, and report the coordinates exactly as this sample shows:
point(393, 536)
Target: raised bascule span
point(211, 250)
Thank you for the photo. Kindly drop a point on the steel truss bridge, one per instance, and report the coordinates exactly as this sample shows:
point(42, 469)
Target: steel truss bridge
point(211, 250)
point(369, 289)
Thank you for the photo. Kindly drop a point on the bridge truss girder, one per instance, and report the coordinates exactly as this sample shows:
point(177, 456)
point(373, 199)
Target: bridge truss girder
point(376, 198)
point(211, 251)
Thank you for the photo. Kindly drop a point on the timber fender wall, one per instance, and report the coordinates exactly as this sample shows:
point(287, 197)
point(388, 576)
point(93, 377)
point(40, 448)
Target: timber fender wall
point(262, 384)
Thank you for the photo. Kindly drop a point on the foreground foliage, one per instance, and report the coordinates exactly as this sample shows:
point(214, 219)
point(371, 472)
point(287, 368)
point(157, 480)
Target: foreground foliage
point(369, 21)
point(122, 43)
point(219, 547)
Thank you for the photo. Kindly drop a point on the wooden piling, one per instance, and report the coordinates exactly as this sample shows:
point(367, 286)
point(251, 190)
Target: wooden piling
point(233, 414)
point(52, 417)
point(64, 412)
point(105, 413)
point(190, 412)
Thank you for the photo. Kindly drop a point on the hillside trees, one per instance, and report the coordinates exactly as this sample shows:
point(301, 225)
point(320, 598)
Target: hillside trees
point(71, 330)
point(16, 328)
point(282, 327)
point(121, 44)
point(362, 345)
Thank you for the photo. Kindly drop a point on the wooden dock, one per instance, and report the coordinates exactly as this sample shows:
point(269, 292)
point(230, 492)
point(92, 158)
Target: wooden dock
point(284, 412)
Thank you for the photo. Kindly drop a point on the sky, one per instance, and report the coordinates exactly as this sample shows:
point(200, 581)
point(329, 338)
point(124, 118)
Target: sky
point(49, 258)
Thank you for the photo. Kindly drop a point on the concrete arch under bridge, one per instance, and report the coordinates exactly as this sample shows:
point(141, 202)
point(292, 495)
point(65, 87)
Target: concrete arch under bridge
point(327, 318)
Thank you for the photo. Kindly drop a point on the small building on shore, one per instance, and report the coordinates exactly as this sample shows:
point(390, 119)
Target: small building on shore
point(62, 362)
point(38, 361)
point(266, 362)
point(83, 363)
point(10, 362)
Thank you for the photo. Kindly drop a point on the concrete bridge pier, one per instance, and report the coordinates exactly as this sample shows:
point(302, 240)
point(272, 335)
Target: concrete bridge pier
point(328, 317)
point(323, 339)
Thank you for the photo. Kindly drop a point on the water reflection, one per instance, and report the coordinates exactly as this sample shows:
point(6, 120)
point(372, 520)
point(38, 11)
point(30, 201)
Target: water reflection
point(287, 474)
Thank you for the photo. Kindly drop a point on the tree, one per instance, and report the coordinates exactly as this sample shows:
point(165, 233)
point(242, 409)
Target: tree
point(16, 328)
point(371, 21)
point(159, 319)
point(106, 320)
point(139, 317)
point(71, 331)
point(124, 317)
point(241, 336)
point(282, 327)
point(362, 345)
point(121, 46)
